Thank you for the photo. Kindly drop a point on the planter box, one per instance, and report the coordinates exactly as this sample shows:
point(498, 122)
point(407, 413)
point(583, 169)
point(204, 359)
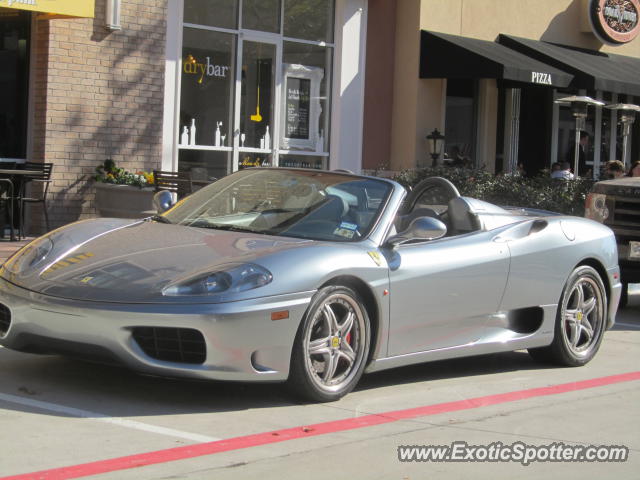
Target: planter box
point(124, 201)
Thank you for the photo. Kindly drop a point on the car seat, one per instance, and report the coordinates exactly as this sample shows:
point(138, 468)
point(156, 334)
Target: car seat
point(461, 217)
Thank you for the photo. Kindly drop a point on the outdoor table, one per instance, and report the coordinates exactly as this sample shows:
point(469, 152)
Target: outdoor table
point(14, 178)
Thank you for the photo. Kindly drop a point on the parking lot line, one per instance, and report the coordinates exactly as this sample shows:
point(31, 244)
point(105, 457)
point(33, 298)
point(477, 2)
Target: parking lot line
point(121, 422)
point(265, 438)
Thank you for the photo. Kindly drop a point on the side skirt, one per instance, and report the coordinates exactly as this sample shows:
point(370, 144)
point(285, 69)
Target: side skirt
point(495, 340)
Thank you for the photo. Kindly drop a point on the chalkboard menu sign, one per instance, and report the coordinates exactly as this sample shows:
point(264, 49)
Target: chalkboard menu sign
point(298, 95)
point(301, 109)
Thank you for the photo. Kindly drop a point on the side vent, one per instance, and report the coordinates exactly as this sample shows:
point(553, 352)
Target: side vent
point(525, 320)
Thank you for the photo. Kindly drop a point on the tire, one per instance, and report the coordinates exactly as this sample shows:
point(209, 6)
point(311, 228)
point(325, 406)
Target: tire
point(331, 346)
point(580, 321)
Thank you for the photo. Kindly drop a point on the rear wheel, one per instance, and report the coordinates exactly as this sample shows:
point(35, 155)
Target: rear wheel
point(331, 346)
point(580, 321)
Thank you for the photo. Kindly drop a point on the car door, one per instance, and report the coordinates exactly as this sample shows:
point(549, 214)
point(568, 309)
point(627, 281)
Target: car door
point(443, 291)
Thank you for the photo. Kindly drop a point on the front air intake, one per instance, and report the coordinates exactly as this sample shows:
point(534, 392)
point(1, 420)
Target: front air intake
point(180, 345)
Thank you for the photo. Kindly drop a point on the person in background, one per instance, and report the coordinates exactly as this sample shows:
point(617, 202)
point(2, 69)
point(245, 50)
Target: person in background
point(555, 167)
point(614, 169)
point(634, 171)
point(583, 169)
point(459, 160)
point(564, 173)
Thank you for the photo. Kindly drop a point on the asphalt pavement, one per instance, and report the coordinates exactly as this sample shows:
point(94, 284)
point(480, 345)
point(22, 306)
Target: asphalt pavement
point(68, 419)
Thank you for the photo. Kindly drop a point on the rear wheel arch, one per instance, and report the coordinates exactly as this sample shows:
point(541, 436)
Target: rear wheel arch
point(580, 320)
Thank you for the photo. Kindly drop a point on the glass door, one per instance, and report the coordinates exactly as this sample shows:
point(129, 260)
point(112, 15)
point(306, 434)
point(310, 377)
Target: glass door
point(254, 85)
point(205, 122)
point(257, 97)
point(15, 32)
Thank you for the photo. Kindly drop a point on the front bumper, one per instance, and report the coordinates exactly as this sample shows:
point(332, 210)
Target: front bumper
point(629, 263)
point(614, 297)
point(242, 342)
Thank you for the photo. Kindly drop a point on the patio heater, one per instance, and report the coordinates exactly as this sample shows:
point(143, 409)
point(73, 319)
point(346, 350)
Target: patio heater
point(626, 116)
point(436, 142)
point(579, 106)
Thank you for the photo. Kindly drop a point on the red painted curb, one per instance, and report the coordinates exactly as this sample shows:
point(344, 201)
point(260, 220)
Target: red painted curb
point(238, 443)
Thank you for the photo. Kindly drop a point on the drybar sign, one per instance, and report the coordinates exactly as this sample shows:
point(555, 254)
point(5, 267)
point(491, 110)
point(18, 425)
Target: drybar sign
point(615, 21)
point(72, 8)
point(191, 66)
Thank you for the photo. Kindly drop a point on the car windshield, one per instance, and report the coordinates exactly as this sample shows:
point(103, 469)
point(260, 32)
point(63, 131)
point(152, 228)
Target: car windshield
point(293, 203)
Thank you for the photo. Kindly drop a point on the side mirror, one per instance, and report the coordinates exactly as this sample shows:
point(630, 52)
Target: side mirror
point(421, 228)
point(163, 201)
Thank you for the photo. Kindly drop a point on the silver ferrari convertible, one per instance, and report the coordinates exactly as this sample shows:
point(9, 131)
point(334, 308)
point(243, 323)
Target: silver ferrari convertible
point(313, 278)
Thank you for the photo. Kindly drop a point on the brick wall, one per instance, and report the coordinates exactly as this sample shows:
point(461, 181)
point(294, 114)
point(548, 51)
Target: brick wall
point(97, 95)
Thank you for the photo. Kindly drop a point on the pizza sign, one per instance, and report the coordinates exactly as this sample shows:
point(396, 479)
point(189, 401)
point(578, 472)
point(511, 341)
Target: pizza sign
point(615, 21)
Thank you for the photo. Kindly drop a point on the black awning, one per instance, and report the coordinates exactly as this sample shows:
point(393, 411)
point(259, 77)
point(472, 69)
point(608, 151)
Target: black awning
point(450, 56)
point(592, 70)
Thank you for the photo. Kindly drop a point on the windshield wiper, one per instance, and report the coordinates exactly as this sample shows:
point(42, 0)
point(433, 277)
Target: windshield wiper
point(222, 226)
point(160, 219)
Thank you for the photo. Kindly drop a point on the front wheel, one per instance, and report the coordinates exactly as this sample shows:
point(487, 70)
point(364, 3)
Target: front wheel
point(580, 321)
point(331, 346)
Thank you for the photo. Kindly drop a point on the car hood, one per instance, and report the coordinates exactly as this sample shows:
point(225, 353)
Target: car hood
point(117, 260)
point(625, 186)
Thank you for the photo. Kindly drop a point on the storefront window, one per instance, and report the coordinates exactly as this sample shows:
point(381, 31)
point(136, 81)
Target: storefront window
point(257, 95)
point(207, 85)
point(14, 82)
point(302, 161)
point(634, 138)
point(204, 166)
point(253, 97)
point(256, 159)
point(607, 141)
point(307, 76)
point(309, 19)
point(263, 15)
point(214, 13)
point(207, 88)
point(460, 123)
point(567, 141)
point(613, 138)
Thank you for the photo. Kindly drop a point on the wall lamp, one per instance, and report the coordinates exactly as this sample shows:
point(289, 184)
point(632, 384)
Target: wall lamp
point(436, 142)
point(112, 21)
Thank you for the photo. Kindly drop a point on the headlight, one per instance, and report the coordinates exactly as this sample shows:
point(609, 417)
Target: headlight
point(596, 207)
point(230, 278)
point(30, 257)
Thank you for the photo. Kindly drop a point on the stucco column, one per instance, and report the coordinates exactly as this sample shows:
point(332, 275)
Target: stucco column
point(418, 104)
point(487, 124)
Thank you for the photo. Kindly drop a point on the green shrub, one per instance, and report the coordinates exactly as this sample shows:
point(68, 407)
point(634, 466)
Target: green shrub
point(540, 192)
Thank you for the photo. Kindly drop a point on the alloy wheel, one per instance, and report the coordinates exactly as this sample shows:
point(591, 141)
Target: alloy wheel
point(335, 342)
point(583, 316)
